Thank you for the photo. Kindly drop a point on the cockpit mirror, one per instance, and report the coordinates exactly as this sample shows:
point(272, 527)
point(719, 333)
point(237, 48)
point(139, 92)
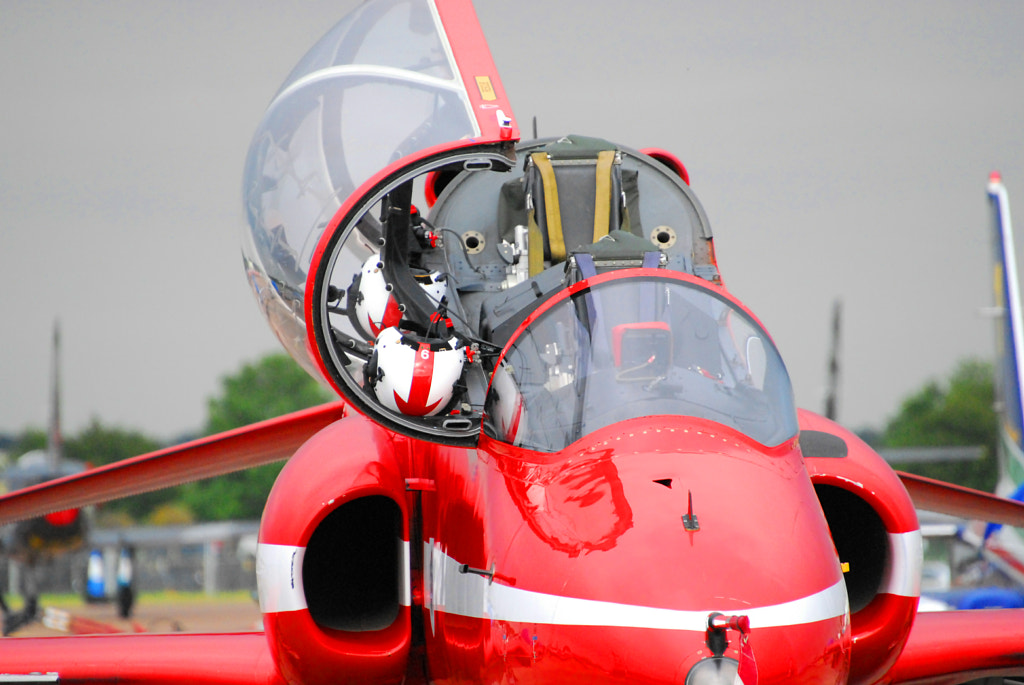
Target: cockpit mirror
point(757, 362)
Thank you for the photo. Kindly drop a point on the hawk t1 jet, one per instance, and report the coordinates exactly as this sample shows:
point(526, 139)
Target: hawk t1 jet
point(564, 450)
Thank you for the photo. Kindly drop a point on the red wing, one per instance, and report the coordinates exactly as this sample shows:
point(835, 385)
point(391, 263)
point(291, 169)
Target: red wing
point(215, 455)
point(956, 646)
point(227, 658)
point(956, 500)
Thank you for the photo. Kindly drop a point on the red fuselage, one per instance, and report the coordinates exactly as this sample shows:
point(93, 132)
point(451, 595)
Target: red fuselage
point(581, 568)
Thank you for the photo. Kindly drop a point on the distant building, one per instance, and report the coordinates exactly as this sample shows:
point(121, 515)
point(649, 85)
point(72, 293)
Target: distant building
point(207, 557)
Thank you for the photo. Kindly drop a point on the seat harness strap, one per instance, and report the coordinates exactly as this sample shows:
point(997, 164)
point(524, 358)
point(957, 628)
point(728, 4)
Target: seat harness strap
point(603, 196)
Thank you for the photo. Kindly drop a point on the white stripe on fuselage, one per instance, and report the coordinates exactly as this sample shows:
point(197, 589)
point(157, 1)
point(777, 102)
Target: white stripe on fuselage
point(475, 596)
point(279, 571)
point(279, 577)
point(906, 558)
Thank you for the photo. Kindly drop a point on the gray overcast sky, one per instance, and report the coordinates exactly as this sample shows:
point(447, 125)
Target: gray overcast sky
point(840, 150)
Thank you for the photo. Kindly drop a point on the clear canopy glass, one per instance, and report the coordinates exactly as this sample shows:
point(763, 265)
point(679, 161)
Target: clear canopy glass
point(384, 189)
point(638, 346)
point(381, 85)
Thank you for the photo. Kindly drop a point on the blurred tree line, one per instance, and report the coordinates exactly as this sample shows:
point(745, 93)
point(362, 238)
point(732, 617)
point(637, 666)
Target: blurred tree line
point(956, 411)
point(272, 386)
point(959, 411)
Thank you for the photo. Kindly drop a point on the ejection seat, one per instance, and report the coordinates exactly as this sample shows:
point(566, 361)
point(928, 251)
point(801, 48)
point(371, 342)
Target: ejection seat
point(573, 194)
point(575, 202)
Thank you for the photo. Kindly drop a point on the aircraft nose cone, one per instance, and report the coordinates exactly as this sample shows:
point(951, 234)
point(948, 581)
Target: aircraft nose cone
point(634, 546)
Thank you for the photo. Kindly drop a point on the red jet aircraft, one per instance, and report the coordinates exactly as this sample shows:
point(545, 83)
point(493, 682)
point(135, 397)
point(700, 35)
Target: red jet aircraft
point(565, 451)
point(31, 542)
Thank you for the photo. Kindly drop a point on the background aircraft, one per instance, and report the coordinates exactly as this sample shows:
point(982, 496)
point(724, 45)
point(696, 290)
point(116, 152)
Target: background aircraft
point(565, 451)
point(985, 563)
point(32, 542)
point(1004, 547)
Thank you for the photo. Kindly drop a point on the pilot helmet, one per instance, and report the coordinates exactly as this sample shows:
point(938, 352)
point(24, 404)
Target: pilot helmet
point(434, 284)
point(413, 375)
point(375, 305)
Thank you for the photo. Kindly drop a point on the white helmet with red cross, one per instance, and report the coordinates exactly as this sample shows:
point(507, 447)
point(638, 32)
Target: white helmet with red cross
point(375, 305)
point(412, 375)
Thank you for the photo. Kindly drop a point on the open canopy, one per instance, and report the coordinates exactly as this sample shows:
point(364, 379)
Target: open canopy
point(397, 234)
point(393, 79)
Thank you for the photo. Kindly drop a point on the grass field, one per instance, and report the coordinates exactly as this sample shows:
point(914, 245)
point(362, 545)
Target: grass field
point(161, 597)
point(192, 612)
